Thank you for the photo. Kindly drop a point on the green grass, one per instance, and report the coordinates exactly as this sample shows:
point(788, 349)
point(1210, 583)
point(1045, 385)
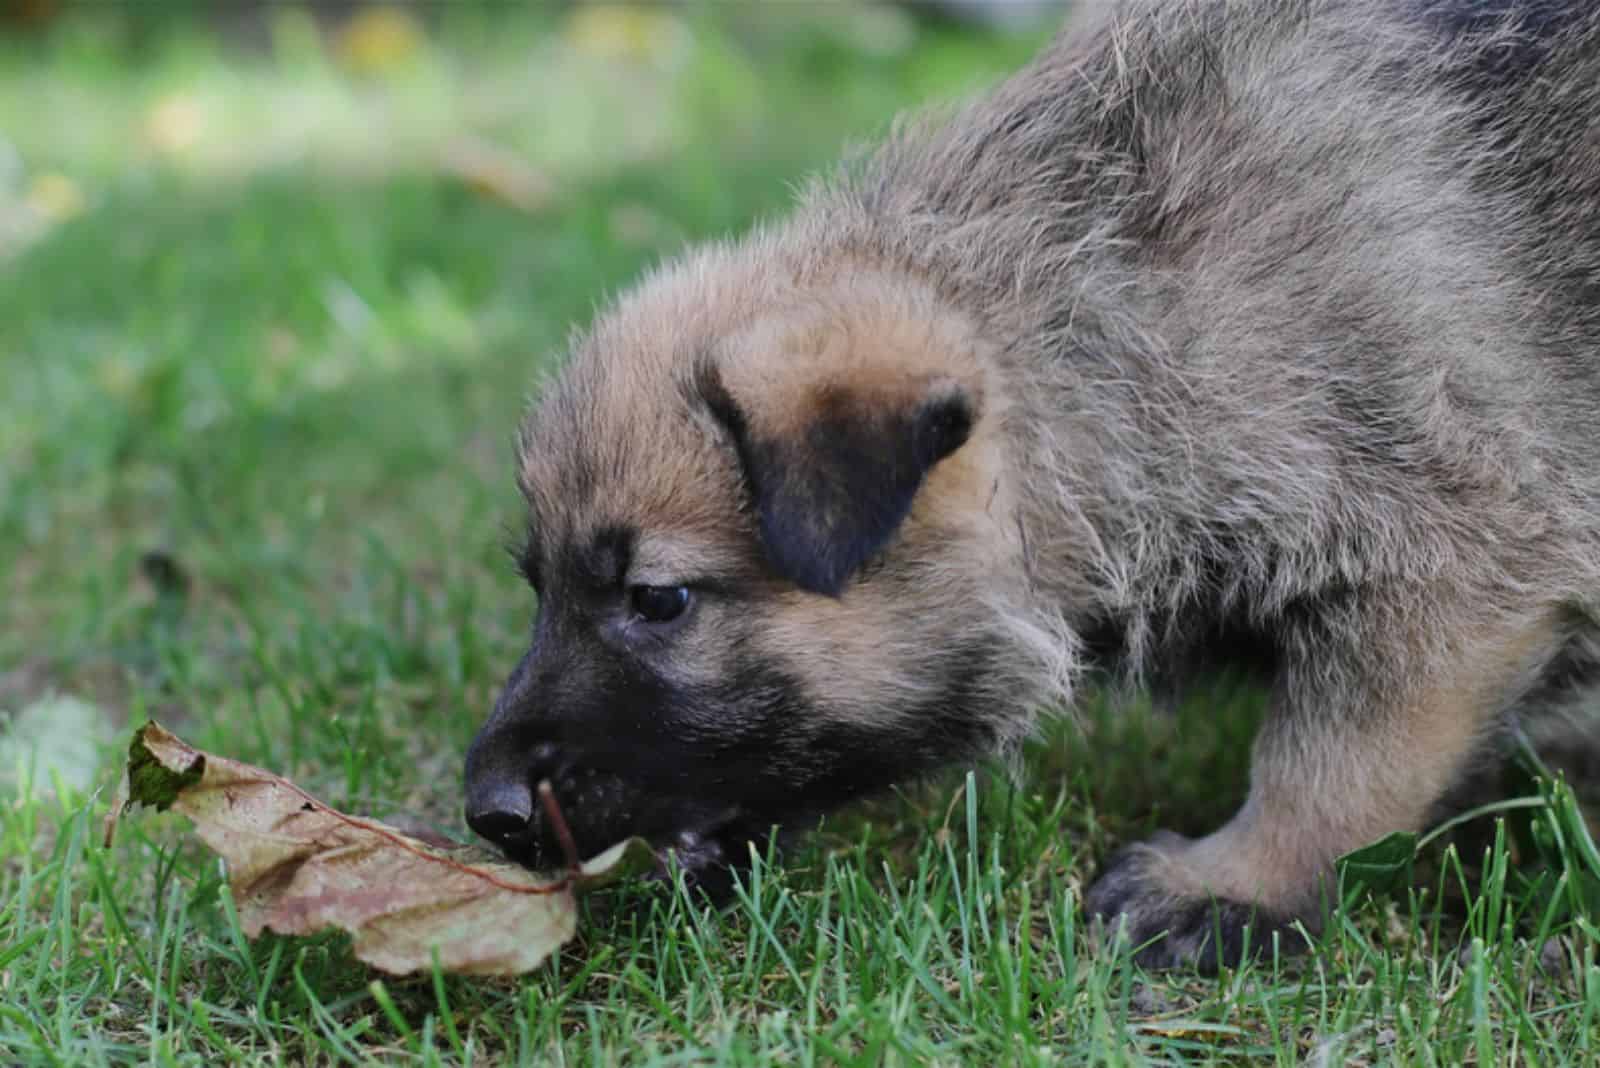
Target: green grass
point(255, 426)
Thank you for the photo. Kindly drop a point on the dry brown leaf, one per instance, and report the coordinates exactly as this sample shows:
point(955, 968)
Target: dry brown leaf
point(297, 866)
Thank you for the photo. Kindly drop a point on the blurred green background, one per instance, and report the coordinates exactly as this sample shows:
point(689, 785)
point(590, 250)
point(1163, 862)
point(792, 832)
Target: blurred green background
point(276, 280)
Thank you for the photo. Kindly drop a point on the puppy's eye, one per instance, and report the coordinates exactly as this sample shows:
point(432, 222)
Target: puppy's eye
point(659, 604)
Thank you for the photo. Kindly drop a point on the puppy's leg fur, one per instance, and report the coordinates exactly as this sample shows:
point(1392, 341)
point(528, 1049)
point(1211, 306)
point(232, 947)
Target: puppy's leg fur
point(1362, 738)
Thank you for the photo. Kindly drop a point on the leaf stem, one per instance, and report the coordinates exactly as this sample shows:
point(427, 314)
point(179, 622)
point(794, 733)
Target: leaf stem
point(558, 823)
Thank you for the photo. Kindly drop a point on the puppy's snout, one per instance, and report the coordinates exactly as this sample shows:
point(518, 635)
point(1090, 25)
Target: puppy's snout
point(500, 788)
point(501, 810)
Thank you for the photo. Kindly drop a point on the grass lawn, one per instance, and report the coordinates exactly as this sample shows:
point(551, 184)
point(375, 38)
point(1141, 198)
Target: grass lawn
point(271, 300)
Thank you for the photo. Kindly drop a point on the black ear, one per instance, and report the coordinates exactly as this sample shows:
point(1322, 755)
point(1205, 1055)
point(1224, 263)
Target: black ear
point(836, 479)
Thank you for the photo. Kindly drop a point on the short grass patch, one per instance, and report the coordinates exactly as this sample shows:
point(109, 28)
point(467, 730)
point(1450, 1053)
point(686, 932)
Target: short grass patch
point(264, 337)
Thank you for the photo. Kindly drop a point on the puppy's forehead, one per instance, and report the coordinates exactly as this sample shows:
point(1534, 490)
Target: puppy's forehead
point(621, 438)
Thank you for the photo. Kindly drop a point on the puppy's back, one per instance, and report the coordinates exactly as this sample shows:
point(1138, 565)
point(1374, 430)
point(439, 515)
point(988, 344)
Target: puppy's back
point(1373, 225)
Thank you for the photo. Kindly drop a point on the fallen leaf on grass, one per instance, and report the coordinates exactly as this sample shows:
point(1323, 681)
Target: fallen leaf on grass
point(297, 866)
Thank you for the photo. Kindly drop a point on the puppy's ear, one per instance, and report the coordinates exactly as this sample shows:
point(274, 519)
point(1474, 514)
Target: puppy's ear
point(833, 467)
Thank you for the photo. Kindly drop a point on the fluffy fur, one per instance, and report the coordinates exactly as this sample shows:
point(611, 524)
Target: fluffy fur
point(1225, 329)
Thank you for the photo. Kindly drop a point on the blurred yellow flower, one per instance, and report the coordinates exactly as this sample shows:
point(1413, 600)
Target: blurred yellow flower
point(626, 32)
point(175, 123)
point(379, 39)
point(55, 197)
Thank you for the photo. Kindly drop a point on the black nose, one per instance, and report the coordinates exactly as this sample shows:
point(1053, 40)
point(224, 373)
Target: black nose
point(500, 810)
point(501, 770)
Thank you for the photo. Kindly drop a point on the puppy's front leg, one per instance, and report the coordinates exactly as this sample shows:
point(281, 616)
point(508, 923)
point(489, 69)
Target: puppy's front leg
point(1375, 712)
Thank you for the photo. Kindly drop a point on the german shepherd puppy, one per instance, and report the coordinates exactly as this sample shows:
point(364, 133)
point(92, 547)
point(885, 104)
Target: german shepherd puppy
point(1225, 327)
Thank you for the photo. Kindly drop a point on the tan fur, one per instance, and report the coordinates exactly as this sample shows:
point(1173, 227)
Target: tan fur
point(879, 340)
point(1347, 787)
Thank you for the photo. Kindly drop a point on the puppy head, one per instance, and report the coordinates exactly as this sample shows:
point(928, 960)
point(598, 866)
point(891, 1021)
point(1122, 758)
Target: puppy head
point(766, 509)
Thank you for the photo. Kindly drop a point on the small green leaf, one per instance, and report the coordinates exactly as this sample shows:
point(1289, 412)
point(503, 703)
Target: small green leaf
point(1379, 867)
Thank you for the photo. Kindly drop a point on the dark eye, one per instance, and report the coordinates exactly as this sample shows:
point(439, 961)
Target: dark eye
point(659, 604)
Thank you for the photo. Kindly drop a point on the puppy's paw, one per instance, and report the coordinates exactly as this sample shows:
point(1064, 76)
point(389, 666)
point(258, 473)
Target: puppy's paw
point(1148, 894)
